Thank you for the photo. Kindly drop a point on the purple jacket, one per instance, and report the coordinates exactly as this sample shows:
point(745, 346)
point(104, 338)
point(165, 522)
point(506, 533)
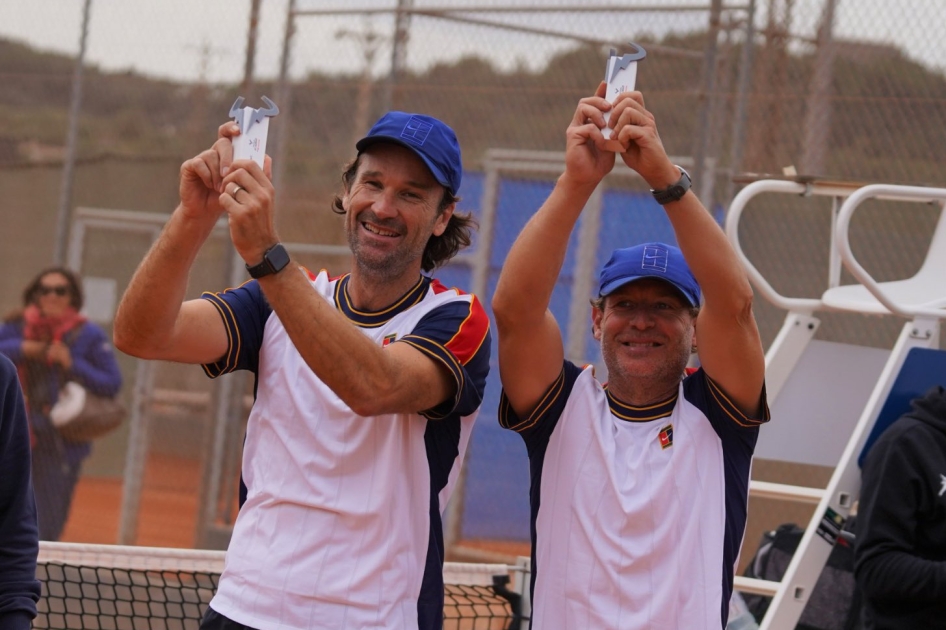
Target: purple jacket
point(93, 366)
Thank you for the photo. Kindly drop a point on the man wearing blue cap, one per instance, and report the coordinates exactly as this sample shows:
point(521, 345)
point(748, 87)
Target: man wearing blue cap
point(367, 384)
point(639, 486)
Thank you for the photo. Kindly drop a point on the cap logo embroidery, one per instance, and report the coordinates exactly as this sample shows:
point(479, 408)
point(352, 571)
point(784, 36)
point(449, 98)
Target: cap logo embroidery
point(655, 258)
point(416, 131)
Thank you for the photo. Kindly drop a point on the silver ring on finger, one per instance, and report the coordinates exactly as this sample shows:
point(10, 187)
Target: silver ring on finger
point(235, 191)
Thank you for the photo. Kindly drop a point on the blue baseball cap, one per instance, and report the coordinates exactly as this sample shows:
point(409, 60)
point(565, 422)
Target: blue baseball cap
point(432, 140)
point(649, 260)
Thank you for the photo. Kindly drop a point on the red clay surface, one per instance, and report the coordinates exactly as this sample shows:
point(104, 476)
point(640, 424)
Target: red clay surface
point(168, 513)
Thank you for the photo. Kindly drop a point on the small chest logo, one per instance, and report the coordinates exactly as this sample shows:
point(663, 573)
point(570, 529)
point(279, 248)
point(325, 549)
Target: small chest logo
point(388, 339)
point(665, 437)
point(942, 487)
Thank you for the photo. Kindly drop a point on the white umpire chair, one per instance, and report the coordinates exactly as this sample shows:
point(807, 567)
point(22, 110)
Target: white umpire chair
point(816, 388)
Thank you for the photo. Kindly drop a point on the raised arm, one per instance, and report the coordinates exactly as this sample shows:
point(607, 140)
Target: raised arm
point(370, 379)
point(530, 342)
point(153, 320)
point(730, 349)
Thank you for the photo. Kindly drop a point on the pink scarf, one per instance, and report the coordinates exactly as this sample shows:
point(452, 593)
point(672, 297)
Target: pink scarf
point(39, 327)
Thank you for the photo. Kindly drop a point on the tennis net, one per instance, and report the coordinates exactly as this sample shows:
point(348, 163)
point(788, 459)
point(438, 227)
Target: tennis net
point(107, 587)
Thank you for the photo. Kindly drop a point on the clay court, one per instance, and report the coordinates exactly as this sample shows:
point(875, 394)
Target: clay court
point(168, 515)
point(168, 518)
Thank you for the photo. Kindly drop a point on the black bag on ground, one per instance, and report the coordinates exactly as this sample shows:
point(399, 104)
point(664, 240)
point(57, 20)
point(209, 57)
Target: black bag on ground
point(834, 603)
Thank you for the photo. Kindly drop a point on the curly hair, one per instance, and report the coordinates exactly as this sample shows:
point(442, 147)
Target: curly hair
point(439, 249)
point(76, 298)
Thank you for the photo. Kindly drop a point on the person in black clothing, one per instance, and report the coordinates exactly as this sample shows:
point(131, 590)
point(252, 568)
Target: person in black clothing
point(19, 533)
point(900, 553)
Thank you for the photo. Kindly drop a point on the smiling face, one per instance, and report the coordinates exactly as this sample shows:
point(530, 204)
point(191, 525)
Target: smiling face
point(392, 209)
point(646, 330)
point(53, 294)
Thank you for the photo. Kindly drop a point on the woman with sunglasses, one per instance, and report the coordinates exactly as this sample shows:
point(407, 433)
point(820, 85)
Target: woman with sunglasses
point(51, 343)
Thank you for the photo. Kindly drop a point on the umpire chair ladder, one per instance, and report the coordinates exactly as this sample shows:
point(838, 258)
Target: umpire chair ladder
point(913, 364)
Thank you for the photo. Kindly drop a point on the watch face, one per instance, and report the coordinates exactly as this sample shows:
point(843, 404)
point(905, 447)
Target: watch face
point(273, 261)
point(278, 257)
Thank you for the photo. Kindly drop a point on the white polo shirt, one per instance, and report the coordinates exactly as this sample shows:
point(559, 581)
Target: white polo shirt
point(341, 527)
point(638, 514)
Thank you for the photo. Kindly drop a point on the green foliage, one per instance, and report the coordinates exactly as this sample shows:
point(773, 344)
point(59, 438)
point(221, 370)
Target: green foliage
point(884, 106)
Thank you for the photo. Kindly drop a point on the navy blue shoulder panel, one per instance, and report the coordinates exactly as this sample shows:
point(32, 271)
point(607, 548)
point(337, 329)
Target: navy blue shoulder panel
point(738, 435)
point(244, 311)
point(536, 430)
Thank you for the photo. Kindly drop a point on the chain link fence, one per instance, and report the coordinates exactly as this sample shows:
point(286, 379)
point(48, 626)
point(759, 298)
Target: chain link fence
point(828, 89)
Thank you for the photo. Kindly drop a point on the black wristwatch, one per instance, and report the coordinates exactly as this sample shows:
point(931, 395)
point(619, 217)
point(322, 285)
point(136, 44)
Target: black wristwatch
point(675, 191)
point(274, 260)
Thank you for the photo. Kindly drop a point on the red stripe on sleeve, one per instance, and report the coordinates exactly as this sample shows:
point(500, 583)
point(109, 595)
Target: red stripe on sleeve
point(470, 335)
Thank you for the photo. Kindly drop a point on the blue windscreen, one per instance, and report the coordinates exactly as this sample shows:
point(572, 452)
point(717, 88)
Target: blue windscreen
point(922, 369)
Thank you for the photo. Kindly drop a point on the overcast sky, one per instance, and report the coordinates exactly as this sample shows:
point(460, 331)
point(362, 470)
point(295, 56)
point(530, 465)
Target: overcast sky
point(187, 39)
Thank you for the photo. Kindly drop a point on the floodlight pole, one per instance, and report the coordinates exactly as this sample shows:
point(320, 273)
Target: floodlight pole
point(227, 404)
point(704, 175)
point(284, 100)
point(370, 41)
point(402, 22)
point(250, 60)
point(818, 114)
point(737, 146)
point(69, 161)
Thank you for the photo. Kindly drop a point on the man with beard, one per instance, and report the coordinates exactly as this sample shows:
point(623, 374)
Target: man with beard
point(639, 486)
point(367, 384)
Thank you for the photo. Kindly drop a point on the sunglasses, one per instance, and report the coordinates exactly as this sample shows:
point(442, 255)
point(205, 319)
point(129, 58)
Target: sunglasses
point(60, 290)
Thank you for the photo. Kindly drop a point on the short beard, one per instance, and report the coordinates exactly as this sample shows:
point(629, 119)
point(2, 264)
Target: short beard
point(386, 268)
point(663, 375)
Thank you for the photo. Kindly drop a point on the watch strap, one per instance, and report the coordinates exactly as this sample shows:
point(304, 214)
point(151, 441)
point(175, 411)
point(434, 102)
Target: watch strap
point(274, 260)
point(675, 191)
